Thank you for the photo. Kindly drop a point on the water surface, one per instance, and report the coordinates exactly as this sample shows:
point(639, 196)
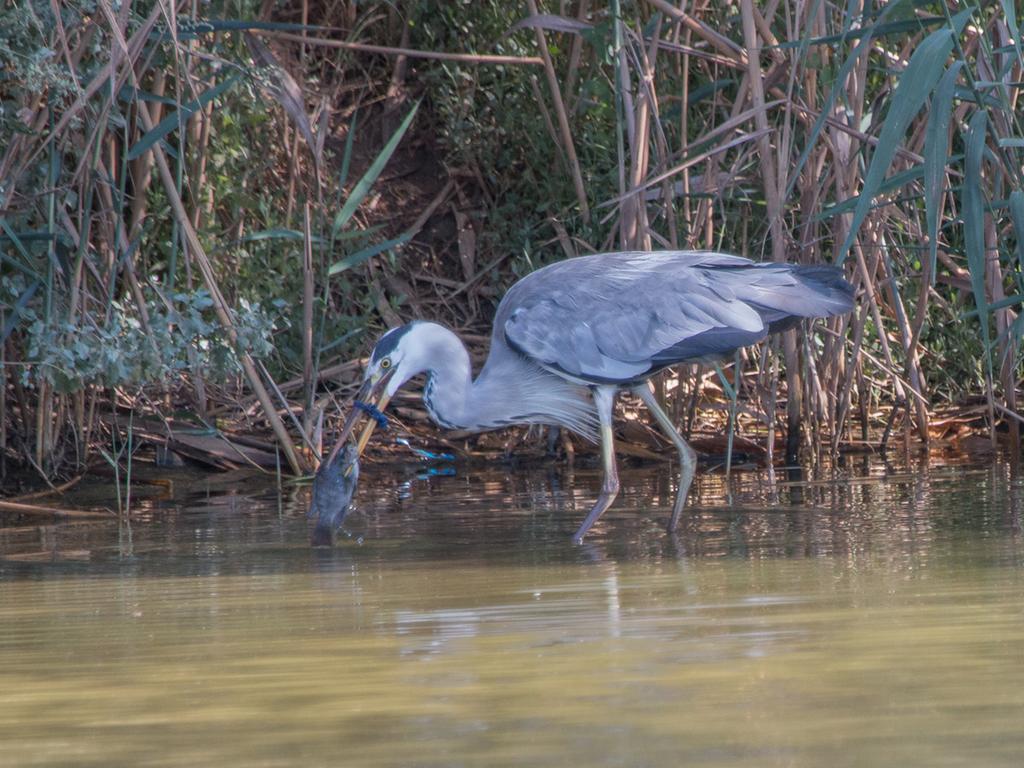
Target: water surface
point(873, 615)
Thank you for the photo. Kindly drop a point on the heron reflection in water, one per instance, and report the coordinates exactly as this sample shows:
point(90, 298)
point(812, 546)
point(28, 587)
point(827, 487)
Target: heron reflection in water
point(569, 337)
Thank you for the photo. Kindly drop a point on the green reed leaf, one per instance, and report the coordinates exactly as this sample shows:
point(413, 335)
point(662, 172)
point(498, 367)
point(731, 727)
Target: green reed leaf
point(972, 206)
point(362, 187)
point(369, 252)
point(936, 157)
point(179, 117)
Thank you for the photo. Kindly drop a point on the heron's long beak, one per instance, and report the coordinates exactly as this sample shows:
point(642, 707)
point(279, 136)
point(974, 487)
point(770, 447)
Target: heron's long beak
point(381, 404)
point(372, 393)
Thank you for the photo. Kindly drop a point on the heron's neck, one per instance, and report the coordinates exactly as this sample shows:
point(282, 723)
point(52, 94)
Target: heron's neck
point(509, 390)
point(449, 380)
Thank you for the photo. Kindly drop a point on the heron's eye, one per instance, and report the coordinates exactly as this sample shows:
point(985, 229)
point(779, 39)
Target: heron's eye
point(385, 363)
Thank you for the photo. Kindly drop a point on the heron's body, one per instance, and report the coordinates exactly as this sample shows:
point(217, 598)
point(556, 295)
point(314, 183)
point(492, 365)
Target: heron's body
point(569, 336)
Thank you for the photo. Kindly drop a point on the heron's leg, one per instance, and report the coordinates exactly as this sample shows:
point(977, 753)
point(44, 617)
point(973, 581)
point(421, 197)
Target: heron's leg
point(687, 456)
point(604, 399)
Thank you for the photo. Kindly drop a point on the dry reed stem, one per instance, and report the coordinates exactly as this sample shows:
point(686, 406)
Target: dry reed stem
point(686, 164)
point(575, 52)
point(568, 144)
point(769, 164)
point(722, 44)
point(466, 58)
point(635, 233)
point(545, 115)
point(307, 314)
point(913, 368)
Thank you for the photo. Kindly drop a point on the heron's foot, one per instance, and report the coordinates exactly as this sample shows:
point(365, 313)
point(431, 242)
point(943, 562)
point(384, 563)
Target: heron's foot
point(673, 522)
point(603, 502)
point(688, 462)
point(677, 511)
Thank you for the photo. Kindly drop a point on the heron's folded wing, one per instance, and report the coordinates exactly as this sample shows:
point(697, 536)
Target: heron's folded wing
point(618, 317)
point(618, 330)
point(548, 334)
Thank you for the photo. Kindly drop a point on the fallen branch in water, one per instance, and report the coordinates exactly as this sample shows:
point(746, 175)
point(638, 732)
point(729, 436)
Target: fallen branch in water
point(33, 509)
point(50, 491)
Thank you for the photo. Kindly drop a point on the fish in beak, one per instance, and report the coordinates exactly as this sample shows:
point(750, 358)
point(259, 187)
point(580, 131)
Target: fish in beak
point(336, 479)
point(333, 488)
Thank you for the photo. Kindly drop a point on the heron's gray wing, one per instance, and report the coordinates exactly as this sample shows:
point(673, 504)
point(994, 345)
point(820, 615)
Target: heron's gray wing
point(616, 317)
point(545, 332)
point(609, 318)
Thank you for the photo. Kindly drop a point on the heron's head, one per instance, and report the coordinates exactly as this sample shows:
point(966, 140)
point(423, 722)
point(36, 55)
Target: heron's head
point(399, 355)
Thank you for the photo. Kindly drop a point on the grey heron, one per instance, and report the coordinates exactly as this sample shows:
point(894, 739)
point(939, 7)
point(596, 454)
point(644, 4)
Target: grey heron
point(570, 336)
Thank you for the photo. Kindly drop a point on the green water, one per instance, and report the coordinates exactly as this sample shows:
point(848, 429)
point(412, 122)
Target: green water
point(870, 617)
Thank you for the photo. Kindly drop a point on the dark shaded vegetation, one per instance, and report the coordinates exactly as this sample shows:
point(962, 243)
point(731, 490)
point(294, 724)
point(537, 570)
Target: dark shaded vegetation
point(205, 221)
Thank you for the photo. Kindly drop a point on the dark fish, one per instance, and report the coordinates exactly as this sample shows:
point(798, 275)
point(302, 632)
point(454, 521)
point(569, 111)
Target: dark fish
point(333, 487)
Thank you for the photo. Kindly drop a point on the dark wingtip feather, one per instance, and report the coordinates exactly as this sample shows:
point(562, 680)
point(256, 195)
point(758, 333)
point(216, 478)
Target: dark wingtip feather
point(831, 293)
